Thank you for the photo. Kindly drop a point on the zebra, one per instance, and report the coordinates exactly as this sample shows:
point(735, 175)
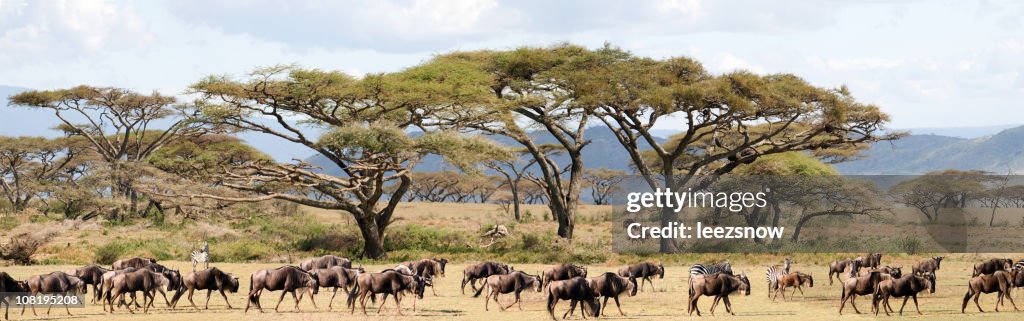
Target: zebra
point(720, 267)
point(201, 256)
point(773, 274)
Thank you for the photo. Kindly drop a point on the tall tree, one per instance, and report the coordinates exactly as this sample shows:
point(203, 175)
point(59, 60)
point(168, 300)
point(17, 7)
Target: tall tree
point(538, 88)
point(29, 164)
point(366, 122)
point(120, 125)
point(726, 120)
point(603, 183)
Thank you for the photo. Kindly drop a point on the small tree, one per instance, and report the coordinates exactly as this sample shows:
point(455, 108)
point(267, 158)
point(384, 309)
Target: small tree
point(28, 165)
point(603, 183)
point(934, 191)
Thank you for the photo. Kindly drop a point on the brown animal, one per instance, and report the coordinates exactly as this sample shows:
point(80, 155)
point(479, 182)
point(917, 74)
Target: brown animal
point(894, 272)
point(562, 272)
point(861, 285)
point(324, 262)
point(209, 279)
point(906, 287)
point(719, 285)
point(610, 285)
point(872, 260)
point(135, 262)
point(482, 271)
point(644, 271)
point(838, 267)
point(92, 275)
point(285, 279)
point(795, 280)
point(991, 266)
point(108, 283)
point(925, 266)
point(55, 282)
point(427, 269)
point(576, 289)
point(515, 282)
point(336, 277)
point(9, 284)
point(999, 281)
point(389, 282)
point(144, 280)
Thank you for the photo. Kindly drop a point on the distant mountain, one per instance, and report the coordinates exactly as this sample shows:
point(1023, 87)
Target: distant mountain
point(918, 154)
point(604, 151)
point(961, 132)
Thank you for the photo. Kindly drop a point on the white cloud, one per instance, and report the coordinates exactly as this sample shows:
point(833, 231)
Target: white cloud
point(63, 29)
point(727, 62)
point(863, 63)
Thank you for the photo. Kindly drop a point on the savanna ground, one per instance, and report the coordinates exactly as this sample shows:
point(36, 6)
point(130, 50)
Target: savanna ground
point(450, 230)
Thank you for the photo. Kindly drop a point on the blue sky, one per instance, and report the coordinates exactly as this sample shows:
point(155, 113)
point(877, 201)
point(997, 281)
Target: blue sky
point(928, 64)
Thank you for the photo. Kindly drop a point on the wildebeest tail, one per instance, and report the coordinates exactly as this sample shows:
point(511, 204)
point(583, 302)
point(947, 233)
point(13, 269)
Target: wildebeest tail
point(177, 295)
point(480, 290)
point(352, 295)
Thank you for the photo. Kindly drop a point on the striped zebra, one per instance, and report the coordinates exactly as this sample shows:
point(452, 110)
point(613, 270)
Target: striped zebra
point(773, 274)
point(201, 256)
point(720, 267)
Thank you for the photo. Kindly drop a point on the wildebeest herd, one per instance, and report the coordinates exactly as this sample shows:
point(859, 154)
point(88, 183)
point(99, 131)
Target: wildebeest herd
point(119, 285)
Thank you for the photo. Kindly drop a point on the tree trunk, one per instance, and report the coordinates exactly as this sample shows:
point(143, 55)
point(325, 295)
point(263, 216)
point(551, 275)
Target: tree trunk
point(373, 237)
point(515, 200)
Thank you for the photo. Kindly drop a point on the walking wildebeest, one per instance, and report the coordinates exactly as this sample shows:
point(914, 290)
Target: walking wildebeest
point(991, 266)
point(135, 262)
point(562, 272)
point(929, 265)
point(575, 290)
point(388, 282)
point(612, 286)
point(906, 287)
point(482, 271)
point(795, 280)
point(860, 285)
point(838, 267)
point(872, 260)
point(173, 277)
point(324, 262)
point(894, 272)
point(144, 280)
point(335, 277)
point(9, 284)
point(427, 269)
point(108, 283)
point(719, 285)
point(285, 279)
point(209, 279)
point(515, 282)
point(644, 271)
point(91, 275)
point(56, 283)
point(999, 281)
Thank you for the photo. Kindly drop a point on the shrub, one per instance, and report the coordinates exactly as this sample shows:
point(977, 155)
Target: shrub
point(20, 249)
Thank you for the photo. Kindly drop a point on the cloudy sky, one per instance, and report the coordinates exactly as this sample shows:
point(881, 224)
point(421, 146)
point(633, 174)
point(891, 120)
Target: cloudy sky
point(929, 64)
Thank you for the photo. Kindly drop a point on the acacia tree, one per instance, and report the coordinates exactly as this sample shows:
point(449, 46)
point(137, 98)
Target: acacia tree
point(727, 120)
point(365, 121)
point(538, 88)
point(29, 164)
point(935, 191)
point(119, 125)
point(603, 183)
point(513, 170)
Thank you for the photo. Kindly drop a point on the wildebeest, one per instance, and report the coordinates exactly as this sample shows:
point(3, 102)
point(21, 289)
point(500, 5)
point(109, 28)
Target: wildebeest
point(643, 271)
point(795, 280)
point(427, 269)
point(515, 282)
point(387, 283)
point(991, 266)
point(285, 279)
point(9, 284)
point(872, 260)
point(209, 279)
point(894, 272)
point(906, 287)
point(173, 277)
point(837, 268)
point(108, 283)
point(56, 283)
point(91, 275)
point(861, 285)
point(324, 262)
point(609, 285)
point(576, 289)
point(144, 280)
point(999, 281)
point(481, 271)
point(336, 277)
point(562, 272)
point(719, 285)
point(135, 262)
point(929, 265)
